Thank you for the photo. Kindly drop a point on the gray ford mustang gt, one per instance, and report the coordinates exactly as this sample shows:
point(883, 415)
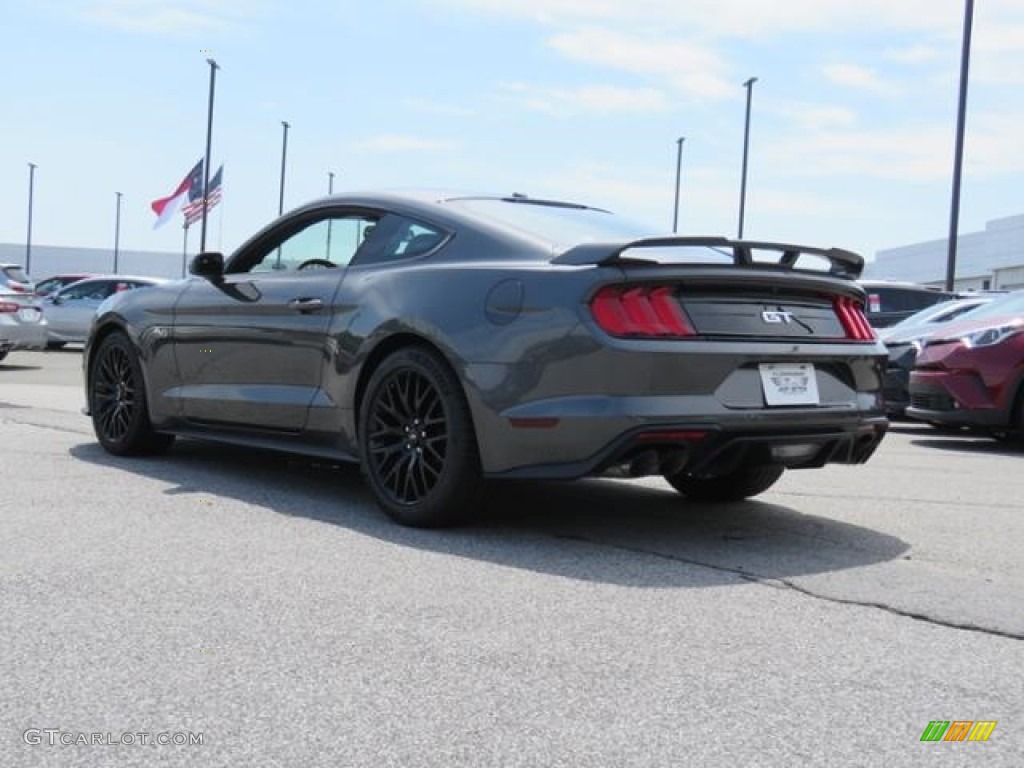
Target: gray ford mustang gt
point(441, 341)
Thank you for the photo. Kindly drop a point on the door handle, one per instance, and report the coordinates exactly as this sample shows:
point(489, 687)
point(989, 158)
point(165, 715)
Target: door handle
point(306, 304)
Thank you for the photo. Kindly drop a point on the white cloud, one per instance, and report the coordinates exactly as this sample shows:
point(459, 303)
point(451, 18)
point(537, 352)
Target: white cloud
point(913, 54)
point(736, 18)
point(390, 142)
point(566, 102)
point(861, 78)
point(157, 16)
point(906, 153)
point(817, 117)
point(439, 108)
point(693, 68)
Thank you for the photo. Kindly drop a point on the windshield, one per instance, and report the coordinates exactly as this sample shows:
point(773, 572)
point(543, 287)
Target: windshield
point(938, 313)
point(1011, 304)
point(561, 224)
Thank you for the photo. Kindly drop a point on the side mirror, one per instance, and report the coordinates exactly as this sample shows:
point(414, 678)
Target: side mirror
point(207, 264)
point(56, 298)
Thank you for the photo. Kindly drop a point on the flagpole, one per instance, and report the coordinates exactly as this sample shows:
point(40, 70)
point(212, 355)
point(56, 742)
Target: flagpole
point(184, 248)
point(117, 231)
point(206, 164)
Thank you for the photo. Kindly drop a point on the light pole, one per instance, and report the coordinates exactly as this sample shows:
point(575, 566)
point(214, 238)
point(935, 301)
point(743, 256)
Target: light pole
point(749, 85)
point(958, 158)
point(117, 231)
point(284, 157)
point(28, 238)
point(679, 170)
point(206, 162)
point(330, 182)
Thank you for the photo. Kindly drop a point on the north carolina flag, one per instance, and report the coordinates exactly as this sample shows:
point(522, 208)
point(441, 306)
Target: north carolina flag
point(190, 188)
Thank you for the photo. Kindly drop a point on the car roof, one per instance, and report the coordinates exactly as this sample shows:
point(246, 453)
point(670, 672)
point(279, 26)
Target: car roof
point(432, 205)
point(96, 278)
point(900, 284)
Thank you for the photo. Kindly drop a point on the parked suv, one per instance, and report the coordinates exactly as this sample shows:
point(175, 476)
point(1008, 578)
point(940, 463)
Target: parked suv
point(14, 280)
point(971, 373)
point(890, 302)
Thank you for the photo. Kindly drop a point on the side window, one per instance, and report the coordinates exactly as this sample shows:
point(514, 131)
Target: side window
point(323, 243)
point(407, 238)
point(98, 290)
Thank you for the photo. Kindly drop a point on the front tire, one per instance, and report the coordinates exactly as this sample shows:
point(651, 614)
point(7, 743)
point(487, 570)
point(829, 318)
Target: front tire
point(416, 440)
point(737, 485)
point(117, 401)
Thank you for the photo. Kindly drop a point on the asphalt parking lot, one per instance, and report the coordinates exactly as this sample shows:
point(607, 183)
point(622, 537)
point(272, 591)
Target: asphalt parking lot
point(262, 601)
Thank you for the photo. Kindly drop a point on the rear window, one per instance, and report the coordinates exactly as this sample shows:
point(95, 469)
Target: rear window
point(892, 299)
point(16, 274)
point(562, 224)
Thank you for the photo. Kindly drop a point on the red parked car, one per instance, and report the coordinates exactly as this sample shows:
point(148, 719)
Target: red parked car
point(971, 374)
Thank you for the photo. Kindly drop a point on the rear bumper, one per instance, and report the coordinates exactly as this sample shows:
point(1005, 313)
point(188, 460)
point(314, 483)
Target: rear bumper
point(22, 336)
point(637, 444)
point(713, 449)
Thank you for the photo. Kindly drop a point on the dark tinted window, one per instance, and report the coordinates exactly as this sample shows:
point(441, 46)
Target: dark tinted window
point(98, 289)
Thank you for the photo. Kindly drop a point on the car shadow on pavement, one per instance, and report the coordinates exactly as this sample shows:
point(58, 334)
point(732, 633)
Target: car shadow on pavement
point(14, 367)
point(608, 531)
point(973, 444)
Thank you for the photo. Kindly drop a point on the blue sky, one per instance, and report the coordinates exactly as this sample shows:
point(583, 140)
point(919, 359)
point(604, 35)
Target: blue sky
point(852, 126)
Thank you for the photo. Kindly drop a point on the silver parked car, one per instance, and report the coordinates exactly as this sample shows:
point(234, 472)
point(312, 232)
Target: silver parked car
point(22, 325)
point(69, 311)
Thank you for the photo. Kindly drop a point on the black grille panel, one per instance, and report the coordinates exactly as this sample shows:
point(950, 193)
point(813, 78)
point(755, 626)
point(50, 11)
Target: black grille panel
point(774, 317)
point(932, 402)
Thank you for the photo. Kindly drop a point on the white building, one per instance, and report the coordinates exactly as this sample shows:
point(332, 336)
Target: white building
point(993, 259)
point(55, 259)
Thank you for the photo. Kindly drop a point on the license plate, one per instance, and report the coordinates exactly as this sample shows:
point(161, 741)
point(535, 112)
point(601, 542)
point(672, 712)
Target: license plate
point(28, 315)
point(789, 383)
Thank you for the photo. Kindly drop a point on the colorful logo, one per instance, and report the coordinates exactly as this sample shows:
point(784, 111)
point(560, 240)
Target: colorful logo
point(958, 730)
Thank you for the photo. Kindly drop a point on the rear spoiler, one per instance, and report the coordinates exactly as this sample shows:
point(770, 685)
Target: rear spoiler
point(844, 263)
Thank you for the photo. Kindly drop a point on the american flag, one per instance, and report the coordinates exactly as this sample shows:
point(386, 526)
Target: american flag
point(194, 209)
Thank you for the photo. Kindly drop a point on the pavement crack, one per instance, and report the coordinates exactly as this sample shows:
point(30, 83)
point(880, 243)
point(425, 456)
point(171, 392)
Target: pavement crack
point(775, 582)
point(901, 499)
point(55, 428)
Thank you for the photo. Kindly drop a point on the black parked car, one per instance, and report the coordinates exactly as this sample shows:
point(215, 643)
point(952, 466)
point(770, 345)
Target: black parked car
point(890, 302)
point(442, 340)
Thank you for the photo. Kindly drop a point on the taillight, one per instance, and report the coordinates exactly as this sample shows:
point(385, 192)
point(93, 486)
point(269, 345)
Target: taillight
point(640, 311)
point(851, 314)
point(6, 306)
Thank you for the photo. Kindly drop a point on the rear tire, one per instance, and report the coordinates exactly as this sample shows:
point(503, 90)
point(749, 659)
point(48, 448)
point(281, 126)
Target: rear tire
point(117, 401)
point(737, 485)
point(416, 440)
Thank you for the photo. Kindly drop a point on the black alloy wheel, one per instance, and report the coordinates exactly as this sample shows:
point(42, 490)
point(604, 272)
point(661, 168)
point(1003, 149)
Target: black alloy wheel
point(117, 401)
point(416, 438)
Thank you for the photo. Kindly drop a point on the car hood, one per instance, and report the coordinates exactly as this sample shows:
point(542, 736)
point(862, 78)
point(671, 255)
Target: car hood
point(957, 329)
